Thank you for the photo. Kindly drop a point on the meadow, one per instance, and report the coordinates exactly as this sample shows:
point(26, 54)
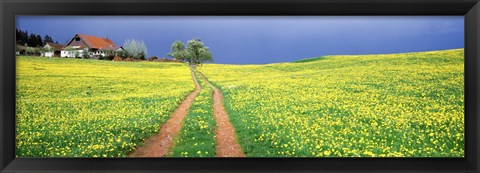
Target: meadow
point(91, 108)
point(391, 105)
point(384, 105)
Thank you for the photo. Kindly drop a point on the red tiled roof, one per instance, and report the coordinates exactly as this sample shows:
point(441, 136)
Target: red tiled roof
point(96, 42)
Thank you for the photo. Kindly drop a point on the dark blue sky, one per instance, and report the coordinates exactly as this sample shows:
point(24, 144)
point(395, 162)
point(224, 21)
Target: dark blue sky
point(264, 39)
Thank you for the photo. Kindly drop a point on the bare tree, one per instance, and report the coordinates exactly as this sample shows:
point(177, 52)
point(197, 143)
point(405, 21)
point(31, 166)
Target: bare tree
point(135, 48)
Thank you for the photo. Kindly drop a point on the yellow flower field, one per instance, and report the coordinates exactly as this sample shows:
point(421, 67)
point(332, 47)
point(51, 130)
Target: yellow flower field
point(386, 105)
point(392, 105)
point(91, 108)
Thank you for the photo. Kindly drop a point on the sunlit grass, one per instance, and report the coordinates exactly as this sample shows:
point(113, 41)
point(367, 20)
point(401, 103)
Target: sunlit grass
point(91, 108)
point(397, 105)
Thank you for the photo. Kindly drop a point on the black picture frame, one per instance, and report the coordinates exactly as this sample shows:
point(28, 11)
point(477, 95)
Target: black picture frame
point(470, 9)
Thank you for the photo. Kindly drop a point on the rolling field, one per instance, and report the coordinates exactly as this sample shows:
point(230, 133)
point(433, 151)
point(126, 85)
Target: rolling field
point(386, 105)
point(91, 108)
point(396, 105)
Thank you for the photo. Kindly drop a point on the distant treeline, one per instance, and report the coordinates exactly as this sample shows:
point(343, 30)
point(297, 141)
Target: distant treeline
point(32, 40)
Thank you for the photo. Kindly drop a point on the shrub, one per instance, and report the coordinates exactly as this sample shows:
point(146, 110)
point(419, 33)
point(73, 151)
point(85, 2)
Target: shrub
point(76, 54)
point(153, 58)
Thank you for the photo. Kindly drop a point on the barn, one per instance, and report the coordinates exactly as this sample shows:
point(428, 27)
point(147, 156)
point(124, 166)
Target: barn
point(91, 46)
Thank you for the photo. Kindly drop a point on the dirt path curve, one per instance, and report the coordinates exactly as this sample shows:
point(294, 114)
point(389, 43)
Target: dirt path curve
point(226, 140)
point(160, 144)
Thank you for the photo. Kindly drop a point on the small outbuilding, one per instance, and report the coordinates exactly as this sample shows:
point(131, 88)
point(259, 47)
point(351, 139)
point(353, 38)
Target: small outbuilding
point(54, 50)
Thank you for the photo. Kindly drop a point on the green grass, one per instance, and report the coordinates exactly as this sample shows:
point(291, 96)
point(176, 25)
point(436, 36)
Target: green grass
point(386, 105)
point(196, 138)
point(92, 108)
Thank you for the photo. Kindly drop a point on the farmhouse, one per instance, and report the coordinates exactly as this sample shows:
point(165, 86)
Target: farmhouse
point(86, 45)
point(52, 49)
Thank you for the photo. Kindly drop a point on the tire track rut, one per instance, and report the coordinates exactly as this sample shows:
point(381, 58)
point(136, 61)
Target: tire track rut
point(226, 140)
point(160, 144)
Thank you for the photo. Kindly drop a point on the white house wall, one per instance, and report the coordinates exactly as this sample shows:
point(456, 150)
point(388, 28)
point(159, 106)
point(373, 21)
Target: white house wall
point(71, 54)
point(48, 54)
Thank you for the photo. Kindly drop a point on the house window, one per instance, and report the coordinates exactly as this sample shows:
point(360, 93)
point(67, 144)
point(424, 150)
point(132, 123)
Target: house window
point(77, 39)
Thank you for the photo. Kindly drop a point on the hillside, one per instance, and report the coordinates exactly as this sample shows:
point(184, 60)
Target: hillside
point(383, 105)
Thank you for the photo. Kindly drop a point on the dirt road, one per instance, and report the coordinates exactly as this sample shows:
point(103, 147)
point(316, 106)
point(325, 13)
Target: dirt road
point(160, 144)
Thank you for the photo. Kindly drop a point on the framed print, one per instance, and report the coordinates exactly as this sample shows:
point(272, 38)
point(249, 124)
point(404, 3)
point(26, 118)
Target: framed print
point(240, 86)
